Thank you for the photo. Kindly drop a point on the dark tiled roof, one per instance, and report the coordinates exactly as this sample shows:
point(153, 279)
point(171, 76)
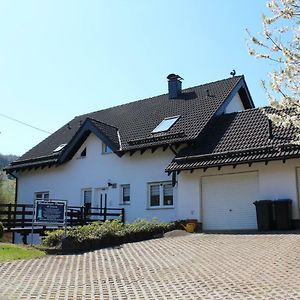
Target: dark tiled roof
point(109, 131)
point(238, 138)
point(134, 122)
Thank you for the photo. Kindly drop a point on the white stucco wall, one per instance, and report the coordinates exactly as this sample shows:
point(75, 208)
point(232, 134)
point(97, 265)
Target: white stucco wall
point(276, 180)
point(235, 105)
point(188, 192)
point(94, 171)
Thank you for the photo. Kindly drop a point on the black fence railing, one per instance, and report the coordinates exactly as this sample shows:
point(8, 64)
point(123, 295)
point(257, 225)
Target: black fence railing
point(18, 216)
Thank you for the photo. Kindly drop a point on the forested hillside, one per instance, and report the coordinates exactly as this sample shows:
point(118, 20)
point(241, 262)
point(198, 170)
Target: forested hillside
point(7, 183)
point(6, 159)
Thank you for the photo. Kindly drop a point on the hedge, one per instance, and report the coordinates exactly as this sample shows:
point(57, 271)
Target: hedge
point(104, 234)
point(1, 230)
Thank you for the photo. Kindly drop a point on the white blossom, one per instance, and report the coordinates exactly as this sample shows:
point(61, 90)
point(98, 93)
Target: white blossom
point(279, 43)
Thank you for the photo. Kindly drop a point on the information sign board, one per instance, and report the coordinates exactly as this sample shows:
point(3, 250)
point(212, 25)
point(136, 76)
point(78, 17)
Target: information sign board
point(52, 212)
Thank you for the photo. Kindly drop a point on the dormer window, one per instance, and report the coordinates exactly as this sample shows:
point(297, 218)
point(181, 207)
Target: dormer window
point(60, 147)
point(165, 124)
point(106, 149)
point(83, 153)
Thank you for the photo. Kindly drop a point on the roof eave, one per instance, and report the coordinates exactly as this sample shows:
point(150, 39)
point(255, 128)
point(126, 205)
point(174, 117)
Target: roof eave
point(232, 163)
point(246, 97)
point(23, 167)
point(79, 138)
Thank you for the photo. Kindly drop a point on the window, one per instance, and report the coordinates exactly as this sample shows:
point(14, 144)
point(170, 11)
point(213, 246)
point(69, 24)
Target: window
point(161, 194)
point(83, 153)
point(41, 196)
point(165, 124)
point(60, 147)
point(168, 194)
point(87, 198)
point(125, 194)
point(106, 149)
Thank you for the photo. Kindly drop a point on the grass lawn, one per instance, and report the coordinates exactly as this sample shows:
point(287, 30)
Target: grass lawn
point(10, 252)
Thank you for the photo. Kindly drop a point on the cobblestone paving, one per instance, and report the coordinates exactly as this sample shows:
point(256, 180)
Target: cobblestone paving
point(199, 266)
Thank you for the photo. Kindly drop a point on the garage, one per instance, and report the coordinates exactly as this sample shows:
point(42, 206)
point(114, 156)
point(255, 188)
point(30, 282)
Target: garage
point(227, 201)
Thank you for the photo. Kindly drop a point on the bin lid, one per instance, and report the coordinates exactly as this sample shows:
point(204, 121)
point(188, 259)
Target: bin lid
point(283, 201)
point(262, 202)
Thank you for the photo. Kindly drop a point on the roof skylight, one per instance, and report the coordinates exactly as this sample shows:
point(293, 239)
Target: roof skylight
point(60, 147)
point(165, 124)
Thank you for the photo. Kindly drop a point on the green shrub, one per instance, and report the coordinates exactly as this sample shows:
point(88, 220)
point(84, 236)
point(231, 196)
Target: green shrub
point(146, 227)
point(93, 231)
point(53, 238)
point(102, 234)
point(1, 230)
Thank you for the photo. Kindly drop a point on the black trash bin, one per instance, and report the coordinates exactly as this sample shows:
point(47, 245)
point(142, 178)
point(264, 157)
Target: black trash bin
point(264, 214)
point(283, 214)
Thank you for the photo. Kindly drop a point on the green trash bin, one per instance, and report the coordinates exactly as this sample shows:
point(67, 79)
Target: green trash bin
point(264, 214)
point(283, 214)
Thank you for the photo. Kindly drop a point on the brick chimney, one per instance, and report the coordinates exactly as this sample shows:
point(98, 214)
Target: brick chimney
point(174, 85)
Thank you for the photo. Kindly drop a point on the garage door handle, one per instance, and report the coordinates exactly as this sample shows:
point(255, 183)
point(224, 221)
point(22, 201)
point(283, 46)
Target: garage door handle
point(230, 209)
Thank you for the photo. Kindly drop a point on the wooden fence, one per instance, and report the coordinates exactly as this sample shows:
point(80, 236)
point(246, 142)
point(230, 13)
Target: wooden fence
point(19, 216)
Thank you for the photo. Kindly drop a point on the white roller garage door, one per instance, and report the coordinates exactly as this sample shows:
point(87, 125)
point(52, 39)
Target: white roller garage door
point(298, 183)
point(227, 201)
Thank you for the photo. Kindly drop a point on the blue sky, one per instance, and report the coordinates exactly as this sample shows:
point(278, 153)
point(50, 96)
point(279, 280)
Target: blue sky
point(59, 59)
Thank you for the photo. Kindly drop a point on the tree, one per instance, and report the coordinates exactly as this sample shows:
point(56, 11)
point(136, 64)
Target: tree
point(7, 189)
point(7, 183)
point(5, 160)
point(279, 43)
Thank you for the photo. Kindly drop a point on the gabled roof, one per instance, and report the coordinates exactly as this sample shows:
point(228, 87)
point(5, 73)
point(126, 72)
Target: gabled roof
point(243, 137)
point(129, 127)
point(108, 134)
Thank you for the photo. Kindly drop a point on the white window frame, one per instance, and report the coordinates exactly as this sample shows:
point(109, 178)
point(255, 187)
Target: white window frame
point(122, 202)
point(106, 149)
point(162, 127)
point(45, 196)
point(161, 195)
point(82, 195)
point(59, 148)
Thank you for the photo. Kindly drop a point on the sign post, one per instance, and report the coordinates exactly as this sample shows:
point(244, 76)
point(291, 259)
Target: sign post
point(50, 212)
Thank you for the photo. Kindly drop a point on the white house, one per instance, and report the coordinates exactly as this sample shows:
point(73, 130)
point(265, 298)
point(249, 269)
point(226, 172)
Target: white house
point(204, 153)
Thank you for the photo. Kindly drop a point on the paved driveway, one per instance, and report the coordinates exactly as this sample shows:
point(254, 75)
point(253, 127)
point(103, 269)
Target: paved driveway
point(199, 266)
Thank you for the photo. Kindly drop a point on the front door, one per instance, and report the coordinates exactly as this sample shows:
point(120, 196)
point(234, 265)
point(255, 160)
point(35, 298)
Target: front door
point(100, 201)
point(100, 198)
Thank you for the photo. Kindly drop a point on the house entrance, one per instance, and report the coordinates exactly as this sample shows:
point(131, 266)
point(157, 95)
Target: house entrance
point(101, 198)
